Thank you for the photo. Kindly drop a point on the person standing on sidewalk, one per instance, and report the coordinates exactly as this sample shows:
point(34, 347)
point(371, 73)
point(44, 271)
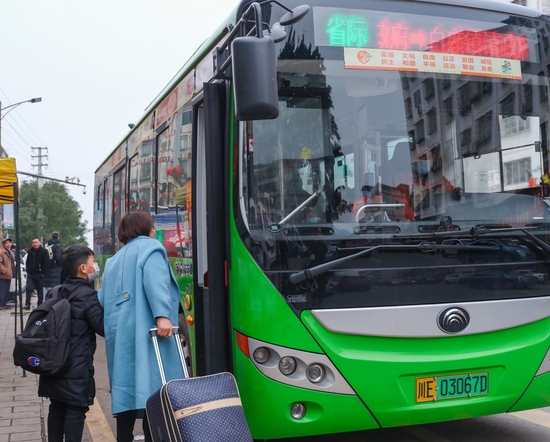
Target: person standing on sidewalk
point(73, 391)
point(53, 275)
point(38, 261)
point(7, 272)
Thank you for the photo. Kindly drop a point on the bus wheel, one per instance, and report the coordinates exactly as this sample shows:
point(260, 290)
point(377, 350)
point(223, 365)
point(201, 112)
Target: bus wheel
point(185, 342)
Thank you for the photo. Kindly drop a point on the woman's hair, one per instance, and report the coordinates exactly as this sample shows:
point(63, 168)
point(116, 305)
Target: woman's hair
point(134, 224)
point(73, 257)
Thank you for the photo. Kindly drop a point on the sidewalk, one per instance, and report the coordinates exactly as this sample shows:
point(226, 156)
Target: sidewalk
point(22, 412)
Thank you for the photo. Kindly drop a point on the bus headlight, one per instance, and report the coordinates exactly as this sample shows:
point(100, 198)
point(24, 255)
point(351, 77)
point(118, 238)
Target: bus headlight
point(315, 373)
point(261, 355)
point(299, 368)
point(287, 365)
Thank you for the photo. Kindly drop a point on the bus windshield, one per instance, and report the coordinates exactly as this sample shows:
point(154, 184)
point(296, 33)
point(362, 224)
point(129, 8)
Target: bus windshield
point(395, 133)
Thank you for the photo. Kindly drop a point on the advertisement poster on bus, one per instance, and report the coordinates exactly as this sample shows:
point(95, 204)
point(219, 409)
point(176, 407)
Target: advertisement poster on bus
point(172, 227)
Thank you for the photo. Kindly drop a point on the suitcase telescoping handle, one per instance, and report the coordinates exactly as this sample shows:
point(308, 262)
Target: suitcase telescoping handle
point(175, 334)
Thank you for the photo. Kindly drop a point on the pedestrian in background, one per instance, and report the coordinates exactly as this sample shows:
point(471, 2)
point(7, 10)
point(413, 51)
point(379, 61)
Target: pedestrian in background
point(73, 391)
point(139, 291)
point(7, 272)
point(108, 248)
point(37, 263)
point(53, 274)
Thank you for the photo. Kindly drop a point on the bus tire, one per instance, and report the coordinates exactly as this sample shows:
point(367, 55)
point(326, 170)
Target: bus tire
point(185, 342)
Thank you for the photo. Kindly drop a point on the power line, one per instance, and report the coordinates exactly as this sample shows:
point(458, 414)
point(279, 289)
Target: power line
point(12, 146)
point(26, 124)
point(15, 130)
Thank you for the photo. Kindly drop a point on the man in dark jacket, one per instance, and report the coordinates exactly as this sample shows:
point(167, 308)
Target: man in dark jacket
point(73, 391)
point(53, 275)
point(37, 263)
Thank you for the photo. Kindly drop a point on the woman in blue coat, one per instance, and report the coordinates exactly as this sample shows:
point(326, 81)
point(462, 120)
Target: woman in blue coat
point(139, 291)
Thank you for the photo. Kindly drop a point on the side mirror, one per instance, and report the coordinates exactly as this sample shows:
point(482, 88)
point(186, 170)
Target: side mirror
point(255, 78)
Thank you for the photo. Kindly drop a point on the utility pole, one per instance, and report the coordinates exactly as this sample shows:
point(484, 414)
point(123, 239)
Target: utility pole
point(40, 164)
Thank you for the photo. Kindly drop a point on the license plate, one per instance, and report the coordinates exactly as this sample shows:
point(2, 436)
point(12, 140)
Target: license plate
point(436, 388)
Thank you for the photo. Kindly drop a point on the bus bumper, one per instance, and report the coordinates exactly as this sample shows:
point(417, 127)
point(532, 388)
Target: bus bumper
point(537, 395)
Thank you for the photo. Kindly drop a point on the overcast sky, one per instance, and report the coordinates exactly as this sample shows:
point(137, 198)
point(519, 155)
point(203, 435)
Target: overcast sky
point(97, 65)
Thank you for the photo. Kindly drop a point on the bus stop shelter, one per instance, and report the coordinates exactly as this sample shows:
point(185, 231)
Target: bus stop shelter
point(9, 194)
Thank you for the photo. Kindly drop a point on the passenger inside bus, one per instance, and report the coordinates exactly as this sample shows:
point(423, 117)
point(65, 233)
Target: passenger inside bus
point(393, 187)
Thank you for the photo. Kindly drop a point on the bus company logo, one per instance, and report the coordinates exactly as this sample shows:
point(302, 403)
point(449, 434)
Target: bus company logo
point(296, 298)
point(453, 320)
point(33, 361)
point(363, 57)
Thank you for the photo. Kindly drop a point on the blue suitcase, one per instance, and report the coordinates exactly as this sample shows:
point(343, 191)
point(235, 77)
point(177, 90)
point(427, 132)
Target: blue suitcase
point(200, 409)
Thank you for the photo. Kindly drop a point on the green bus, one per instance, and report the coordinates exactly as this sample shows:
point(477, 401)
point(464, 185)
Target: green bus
point(354, 197)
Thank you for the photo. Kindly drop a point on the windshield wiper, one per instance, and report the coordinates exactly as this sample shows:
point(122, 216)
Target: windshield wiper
point(297, 277)
point(477, 231)
point(325, 267)
point(426, 247)
point(473, 232)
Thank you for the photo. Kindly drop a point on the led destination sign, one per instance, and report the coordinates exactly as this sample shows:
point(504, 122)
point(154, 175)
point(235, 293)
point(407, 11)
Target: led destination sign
point(407, 32)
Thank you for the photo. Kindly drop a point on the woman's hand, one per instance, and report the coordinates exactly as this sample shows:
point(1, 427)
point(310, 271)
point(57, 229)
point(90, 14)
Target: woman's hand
point(164, 327)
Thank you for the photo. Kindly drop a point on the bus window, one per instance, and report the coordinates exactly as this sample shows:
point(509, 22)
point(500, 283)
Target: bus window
point(141, 192)
point(298, 166)
point(133, 191)
point(164, 172)
point(119, 203)
point(173, 184)
point(108, 206)
point(182, 148)
point(98, 218)
point(174, 158)
point(182, 184)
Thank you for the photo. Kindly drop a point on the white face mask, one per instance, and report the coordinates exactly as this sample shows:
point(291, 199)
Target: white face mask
point(92, 276)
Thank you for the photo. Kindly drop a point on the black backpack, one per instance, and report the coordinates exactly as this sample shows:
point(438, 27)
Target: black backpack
point(44, 346)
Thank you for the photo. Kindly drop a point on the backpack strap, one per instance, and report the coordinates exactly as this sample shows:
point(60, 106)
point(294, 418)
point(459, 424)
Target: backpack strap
point(77, 291)
point(55, 291)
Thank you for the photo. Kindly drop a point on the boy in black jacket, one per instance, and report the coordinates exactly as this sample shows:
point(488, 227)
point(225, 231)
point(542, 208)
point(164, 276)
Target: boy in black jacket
point(73, 391)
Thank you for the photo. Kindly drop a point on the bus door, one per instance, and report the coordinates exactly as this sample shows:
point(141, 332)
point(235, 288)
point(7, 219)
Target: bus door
point(210, 198)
